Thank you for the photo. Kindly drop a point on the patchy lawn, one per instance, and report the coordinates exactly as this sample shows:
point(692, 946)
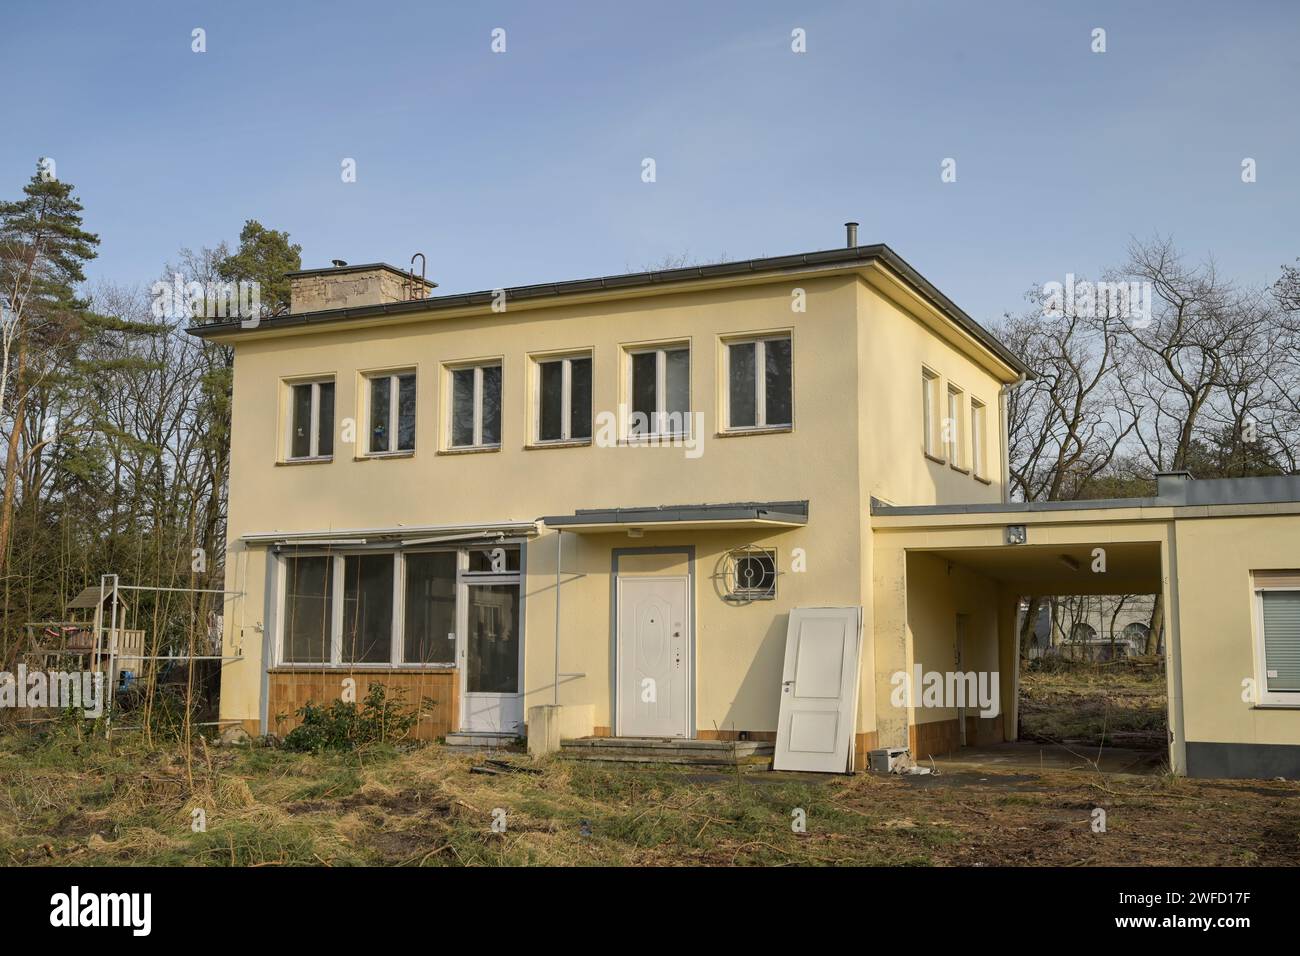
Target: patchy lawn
point(1123, 704)
point(80, 801)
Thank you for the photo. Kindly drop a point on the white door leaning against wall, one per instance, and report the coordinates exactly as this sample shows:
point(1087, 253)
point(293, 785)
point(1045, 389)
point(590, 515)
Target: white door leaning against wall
point(654, 657)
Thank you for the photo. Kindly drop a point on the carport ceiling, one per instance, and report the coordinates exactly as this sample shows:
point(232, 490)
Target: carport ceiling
point(1130, 567)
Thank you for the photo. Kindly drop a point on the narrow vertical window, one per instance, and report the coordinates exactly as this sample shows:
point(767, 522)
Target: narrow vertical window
point(977, 439)
point(952, 428)
point(660, 392)
point(392, 413)
point(311, 426)
point(760, 383)
point(475, 407)
point(930, 412)
point(563, 399)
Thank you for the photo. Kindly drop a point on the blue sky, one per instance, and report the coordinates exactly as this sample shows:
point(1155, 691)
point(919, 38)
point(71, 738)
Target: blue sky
point(526, 166)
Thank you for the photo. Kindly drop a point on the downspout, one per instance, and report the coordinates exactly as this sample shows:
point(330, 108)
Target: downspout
point(1005, 426)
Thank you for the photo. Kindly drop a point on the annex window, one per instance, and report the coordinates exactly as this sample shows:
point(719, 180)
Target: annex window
point(367, 609)
point(930, 414)
point(393, 608)
point(391, 421)
point(311, 421)
point(660, 386)
point(751, 574)
point(1278, 646)
point(952, 428)
point(475, 406)
point(759, 383)
point(978, 441)
point(308, 604)
point(562, 399)
point(429, 626)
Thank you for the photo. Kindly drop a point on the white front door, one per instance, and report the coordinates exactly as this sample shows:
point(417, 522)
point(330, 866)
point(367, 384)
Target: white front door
point(819, 690)
point(654, 657)
point(491, 658)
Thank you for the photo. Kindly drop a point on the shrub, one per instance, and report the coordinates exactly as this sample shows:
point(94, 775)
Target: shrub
point(345, 725)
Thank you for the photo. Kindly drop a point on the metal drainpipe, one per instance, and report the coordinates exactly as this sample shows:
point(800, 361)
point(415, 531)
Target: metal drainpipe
point(1003, 392)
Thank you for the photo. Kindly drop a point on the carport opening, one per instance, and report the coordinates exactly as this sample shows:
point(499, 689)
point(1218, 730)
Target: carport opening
point(1092, 672)
point(1074, 634)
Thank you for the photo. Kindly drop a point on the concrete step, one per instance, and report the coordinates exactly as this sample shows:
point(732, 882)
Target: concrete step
point(672, 750)
point(481, 741)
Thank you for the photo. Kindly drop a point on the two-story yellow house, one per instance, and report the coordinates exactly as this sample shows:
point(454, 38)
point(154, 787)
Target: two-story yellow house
point(567, 493)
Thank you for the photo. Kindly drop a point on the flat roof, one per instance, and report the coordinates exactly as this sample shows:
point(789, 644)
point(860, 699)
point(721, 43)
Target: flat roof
point(1173, 490)
point(791, 514)
point(849, 256)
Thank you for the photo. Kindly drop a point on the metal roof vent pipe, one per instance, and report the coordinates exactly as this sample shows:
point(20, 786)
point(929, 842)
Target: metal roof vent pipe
point(851, 231)
point(337, 263)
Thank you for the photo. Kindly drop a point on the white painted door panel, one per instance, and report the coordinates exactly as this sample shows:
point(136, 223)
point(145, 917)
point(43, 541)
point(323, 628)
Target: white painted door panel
point(819, 690)
point(654, 657)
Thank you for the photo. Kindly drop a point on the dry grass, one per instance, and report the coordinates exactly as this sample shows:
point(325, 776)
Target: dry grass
point(74, 801)
point(1123, 704)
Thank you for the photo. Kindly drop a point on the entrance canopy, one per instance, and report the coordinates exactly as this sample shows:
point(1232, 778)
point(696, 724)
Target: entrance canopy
point(772, 515)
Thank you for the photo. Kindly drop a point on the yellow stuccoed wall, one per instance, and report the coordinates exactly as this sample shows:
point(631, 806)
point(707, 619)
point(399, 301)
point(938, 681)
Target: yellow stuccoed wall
point(851, 343)
point(1216, 624)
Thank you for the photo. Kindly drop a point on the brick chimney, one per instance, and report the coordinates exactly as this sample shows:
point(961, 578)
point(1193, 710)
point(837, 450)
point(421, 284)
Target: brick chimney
point(342, 286)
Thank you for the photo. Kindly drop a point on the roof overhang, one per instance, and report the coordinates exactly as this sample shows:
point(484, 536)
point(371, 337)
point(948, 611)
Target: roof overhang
point(877, 263)
point(406, 535)
point(770, 515)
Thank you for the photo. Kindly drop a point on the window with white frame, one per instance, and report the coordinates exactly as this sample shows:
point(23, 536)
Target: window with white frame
point(953, 425)
point(659, 385)
point(1277, 612)
point(475, 406)
point(759, 383)
point(391, 413)
point(562, 399)
point(930, 413)
point(400, 608)
point(311, 420)
point(978, 449)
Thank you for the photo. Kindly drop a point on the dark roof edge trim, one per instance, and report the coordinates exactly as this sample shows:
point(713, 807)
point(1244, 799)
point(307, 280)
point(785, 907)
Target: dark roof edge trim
point(789, 512)
point(856, 254)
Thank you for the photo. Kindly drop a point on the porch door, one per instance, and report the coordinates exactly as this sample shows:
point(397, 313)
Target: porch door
point(654, 657)
point(491, 658)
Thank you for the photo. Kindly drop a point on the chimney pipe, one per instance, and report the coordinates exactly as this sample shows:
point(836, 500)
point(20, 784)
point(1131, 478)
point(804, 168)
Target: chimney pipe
point(337, 263)
point(851, 228)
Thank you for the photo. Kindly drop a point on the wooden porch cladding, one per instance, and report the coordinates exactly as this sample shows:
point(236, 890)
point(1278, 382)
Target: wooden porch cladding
point(291, 689)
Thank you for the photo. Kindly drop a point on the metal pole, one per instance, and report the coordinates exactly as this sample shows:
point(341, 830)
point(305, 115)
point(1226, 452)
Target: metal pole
point(559, 552)
point(112, 657)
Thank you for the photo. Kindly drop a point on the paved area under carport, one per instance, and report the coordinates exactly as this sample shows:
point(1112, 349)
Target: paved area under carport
point(1028, 755)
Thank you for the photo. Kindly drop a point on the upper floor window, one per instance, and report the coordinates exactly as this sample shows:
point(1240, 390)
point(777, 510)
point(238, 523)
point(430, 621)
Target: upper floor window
point(391, 414)
point(978, 442)
point(930, 414)
point(759, 383)
point(953, 428)
point(311, 424)
point(475, 406)
point(660, 391)
point(1277, 596)
point(562, 399)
